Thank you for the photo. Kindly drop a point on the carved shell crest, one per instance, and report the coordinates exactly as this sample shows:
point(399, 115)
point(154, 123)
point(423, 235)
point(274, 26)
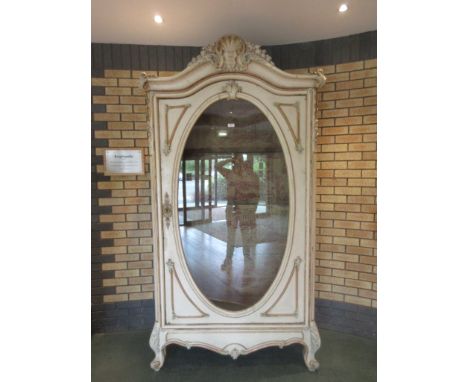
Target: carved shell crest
point(232, 54)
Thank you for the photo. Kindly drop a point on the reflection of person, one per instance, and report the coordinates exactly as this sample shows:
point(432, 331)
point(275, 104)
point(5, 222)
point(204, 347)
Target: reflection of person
point(242, 200)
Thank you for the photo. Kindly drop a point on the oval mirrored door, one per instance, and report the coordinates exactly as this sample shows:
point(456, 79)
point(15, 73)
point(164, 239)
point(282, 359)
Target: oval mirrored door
point(233, 204)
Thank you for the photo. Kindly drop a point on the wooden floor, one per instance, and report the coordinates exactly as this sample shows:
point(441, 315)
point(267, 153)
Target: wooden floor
point(242, 284)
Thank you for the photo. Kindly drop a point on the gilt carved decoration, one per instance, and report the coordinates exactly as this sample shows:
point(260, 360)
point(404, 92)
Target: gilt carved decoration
point(167, 210)
point(232, 88)
point(231, 54)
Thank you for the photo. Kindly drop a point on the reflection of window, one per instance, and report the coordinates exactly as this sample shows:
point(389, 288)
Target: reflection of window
point(260, 165)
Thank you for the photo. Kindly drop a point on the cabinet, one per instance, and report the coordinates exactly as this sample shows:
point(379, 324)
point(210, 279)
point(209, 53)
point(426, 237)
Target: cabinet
point(232, 175)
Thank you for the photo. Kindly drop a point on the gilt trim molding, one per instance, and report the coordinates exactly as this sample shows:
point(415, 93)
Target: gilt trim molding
point(175, 279)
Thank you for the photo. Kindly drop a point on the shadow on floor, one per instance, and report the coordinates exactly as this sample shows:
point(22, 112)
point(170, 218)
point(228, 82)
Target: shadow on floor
point(126, 357)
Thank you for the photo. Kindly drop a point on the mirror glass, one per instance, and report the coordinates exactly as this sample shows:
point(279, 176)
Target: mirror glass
point(233, 204)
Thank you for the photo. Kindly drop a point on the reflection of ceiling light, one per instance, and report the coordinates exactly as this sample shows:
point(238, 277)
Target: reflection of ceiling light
point(158, 19)
point(231, 124)
point(343, 8)
point(222, 133)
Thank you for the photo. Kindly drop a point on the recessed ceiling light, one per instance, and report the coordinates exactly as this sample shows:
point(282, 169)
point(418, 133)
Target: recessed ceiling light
point(222, 133)
point(158, 19)
point(343, 8)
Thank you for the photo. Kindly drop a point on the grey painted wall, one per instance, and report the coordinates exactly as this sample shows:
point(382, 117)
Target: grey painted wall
point(362, 46)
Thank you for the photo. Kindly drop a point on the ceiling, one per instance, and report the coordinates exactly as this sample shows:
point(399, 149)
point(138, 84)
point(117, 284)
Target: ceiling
point(200, 22)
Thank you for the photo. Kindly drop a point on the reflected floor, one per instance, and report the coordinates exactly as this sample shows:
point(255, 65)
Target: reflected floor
point(240, 285)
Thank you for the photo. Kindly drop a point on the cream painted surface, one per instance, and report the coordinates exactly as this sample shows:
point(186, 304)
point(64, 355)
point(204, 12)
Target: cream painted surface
point(169, 170)
point(233, 68)
point(192, 23)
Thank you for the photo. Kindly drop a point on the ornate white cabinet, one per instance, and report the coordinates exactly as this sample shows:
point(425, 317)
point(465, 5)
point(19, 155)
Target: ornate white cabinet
point(232, 176)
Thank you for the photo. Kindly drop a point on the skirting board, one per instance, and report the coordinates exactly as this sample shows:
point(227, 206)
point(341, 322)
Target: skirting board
point(333, 315)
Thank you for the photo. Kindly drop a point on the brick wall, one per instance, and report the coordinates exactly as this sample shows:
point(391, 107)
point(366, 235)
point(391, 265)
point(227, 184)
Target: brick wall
point(122, 250)
point(346, 189)
point(346, 184)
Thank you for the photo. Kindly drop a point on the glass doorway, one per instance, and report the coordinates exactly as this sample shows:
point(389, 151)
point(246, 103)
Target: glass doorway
point(196, 191)
point(202, 190)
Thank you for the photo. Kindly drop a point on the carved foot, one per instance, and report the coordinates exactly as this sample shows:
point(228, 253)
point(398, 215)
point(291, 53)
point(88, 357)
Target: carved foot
point(312, 344)
point(312, 364)
point(157, 344)
point(157, 362)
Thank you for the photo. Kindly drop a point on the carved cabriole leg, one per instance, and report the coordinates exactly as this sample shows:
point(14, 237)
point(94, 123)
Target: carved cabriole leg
point(312, 344)
point(157, 343)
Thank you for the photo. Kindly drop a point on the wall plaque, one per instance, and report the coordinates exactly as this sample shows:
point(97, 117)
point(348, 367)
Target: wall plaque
point(124, 162)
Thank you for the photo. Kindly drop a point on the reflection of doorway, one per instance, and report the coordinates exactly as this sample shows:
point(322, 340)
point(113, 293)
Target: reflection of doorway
point(202, 189)
point(196, 191)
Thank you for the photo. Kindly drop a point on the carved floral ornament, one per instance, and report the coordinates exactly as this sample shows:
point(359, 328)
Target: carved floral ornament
point(232, 88)
point(167, 210)
point(232, 54)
